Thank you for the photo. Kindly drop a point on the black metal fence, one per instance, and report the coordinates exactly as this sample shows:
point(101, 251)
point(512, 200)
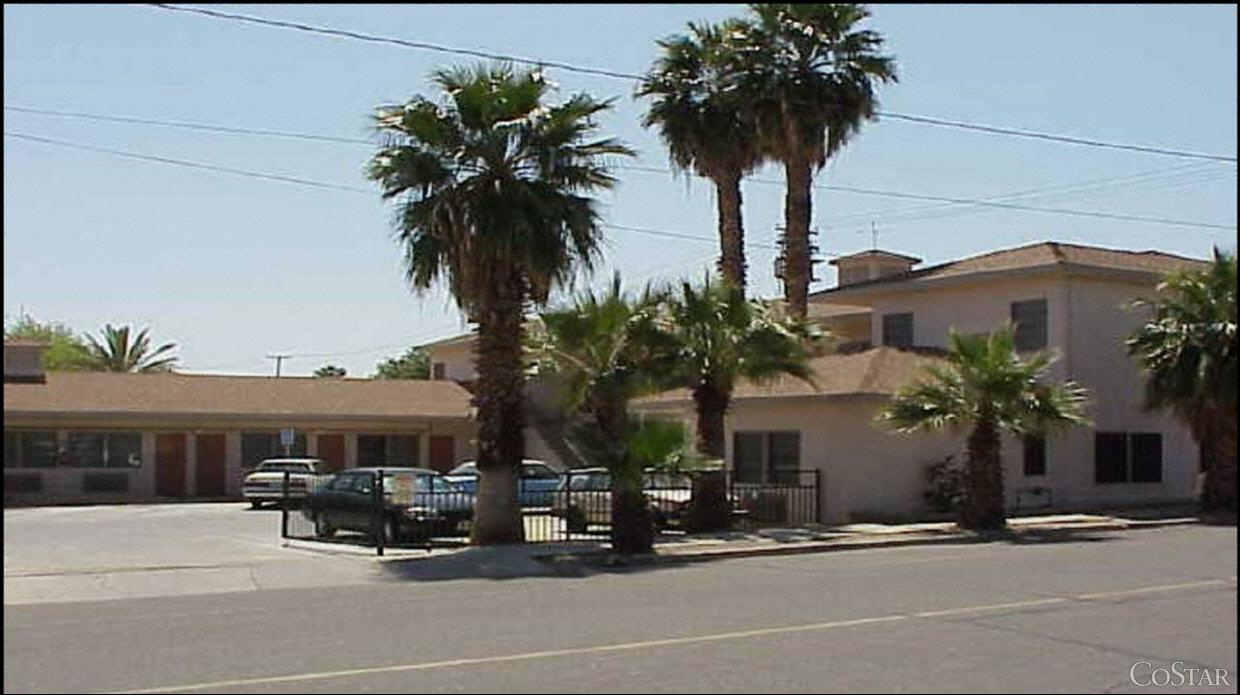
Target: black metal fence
point(386, 508)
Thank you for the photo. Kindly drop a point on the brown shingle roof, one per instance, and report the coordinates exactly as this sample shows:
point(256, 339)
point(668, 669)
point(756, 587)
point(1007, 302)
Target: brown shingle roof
point(1040, 254)
point(880, 370)
point(157, 394)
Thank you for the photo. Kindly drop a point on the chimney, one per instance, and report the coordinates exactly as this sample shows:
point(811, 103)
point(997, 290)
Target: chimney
point(871, 265)
point(23, 361)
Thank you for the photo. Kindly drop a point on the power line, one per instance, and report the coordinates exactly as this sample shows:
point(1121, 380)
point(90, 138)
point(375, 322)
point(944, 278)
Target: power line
point(927, 120)
point(847, 189)
point(185, 163)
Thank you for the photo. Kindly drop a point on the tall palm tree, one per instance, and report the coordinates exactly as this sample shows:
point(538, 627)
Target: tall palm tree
point(704, 127)
point(986, 386)
point(116, 353)
point(720, 337)
point(606, 351)
point(1188, 350)
point(493, 195)
point(809, 75)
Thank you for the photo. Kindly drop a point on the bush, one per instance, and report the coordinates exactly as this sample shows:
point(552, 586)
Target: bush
point(945, 490)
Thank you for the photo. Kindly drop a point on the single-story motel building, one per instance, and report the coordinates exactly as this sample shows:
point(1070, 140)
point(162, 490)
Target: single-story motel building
point(103, 437)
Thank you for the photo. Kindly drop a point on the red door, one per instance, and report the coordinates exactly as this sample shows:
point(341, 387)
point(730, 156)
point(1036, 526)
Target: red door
point(210, 451)
point(331, 450)
point(170, 465)
point(442, 453)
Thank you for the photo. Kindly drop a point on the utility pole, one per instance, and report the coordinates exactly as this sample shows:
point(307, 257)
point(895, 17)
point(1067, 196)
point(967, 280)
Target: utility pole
point(874, 235)
point(279, 360)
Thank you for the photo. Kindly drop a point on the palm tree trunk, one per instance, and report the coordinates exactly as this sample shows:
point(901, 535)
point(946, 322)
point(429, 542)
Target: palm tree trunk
point(797, 211)
point(1219, 491)
point(632, 528)
point(501, 416)
point(712, 406)
point(731, 229)
point(984, 505)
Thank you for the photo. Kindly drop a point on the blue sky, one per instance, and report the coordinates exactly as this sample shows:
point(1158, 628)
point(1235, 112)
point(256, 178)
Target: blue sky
point(234, 268)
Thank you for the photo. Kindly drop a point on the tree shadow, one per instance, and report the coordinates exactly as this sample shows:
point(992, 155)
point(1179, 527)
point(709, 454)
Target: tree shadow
point(550, 560)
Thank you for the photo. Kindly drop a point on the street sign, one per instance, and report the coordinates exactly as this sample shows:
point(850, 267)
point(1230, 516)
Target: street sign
point(286, 436)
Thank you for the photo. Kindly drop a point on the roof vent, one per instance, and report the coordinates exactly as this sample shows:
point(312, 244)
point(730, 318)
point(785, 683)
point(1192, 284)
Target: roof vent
point(871, 265)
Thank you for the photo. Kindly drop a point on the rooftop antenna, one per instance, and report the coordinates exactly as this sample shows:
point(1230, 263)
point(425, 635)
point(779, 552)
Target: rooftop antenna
point(874, 235)
point(279, 360)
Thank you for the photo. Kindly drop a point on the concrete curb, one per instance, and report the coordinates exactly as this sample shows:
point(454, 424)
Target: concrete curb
point(894, 540)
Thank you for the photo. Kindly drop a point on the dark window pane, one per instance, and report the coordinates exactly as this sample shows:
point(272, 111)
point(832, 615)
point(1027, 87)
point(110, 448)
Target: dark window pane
point(1147, 457)
point(438, 370)
point(1035, 455)
point(402, 451)
point(371, 450)
point(38, 449)
point(747, 456)
point(1110, 457)
point(898, 330)
point(1030, 320)
point(85, 450)
point(12, 450)
point(124, 450)
point(256, 446)
point(785, 457)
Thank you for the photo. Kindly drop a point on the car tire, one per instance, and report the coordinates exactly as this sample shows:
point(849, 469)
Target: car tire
point(255, 504)
point(322, 528)
point(575, 520)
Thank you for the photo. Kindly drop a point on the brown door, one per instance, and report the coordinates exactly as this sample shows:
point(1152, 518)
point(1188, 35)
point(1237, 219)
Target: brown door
point(170, 465)
point(331, 450)
point(210, 451)
point(443, 454)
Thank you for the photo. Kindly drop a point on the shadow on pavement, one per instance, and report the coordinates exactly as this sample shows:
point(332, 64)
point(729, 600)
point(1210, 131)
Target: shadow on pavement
point(518, 562)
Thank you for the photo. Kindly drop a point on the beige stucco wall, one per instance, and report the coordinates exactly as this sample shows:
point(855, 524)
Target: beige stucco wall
point(458, 360)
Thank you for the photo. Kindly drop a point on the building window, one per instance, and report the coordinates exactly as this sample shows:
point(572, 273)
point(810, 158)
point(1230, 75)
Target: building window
point(898, 330)
point(1030, 320)
point(375, 450)
point(438, 370)
point(256, 446)
point(1121, 457)
point(30, 449)
point(778, 454)
point(1035, 455)
point(102, 450)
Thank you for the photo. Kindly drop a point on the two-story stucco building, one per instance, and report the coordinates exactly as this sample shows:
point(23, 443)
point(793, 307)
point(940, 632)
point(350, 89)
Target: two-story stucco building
point(890, 317)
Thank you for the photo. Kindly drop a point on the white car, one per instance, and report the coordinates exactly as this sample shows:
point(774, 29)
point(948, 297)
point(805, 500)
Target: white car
point(266, 482)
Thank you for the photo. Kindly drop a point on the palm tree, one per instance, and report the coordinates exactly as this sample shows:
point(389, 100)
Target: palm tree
point(704, 127)
point(1188, 350)
point(116, 353)
point(605, 350)
point(809, 75)
point(492, 186)
point(985, 385)
point(719, 337)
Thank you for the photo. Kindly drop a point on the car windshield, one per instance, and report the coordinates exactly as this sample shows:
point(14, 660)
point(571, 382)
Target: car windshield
point(667, 480)
point(591, 481)
point(469, 468)
point(291, 467)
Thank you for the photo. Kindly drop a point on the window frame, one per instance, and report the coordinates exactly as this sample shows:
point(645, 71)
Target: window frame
point(1022, 339)
point(889, 324)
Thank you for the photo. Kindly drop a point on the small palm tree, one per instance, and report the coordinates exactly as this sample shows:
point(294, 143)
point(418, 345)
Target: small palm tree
point(1188, 350)
point(705, 128)
point(605, 350)
point(493, 189)
point(116, 353)
point(719, 337)
point(809, 75)
point(986, 386)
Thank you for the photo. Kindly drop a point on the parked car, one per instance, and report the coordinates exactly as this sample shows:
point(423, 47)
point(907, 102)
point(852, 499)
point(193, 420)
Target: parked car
point(535, 487)
point(417, 503)
point(585, 498)
point(266, 482)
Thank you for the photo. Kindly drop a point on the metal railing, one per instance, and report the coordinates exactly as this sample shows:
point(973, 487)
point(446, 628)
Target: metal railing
point(387, 509)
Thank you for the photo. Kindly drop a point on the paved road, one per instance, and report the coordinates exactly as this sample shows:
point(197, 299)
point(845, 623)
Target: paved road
point(1071, 616)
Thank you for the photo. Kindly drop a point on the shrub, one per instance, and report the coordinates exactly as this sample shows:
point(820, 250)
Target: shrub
point(945, 491)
